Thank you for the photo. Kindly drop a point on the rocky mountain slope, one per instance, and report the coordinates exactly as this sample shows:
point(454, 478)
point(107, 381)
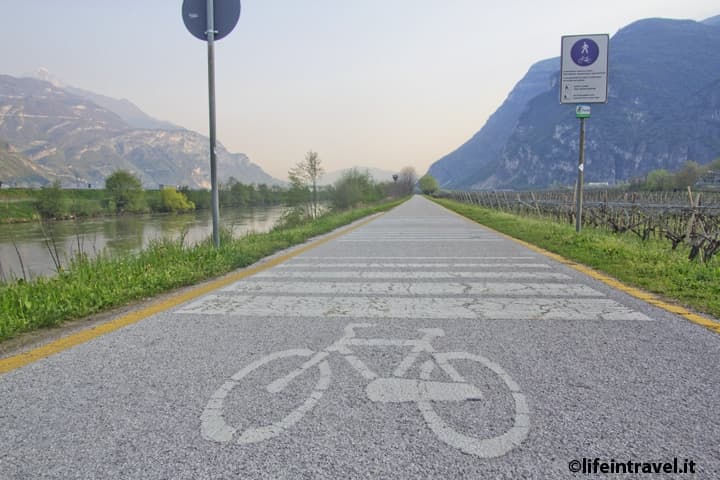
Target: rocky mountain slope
point(60, 135)
point(663, 109)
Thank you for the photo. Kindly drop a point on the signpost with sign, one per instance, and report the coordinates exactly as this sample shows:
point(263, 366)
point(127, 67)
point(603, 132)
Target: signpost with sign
point(211, 20)
point(584, 69)
point(583, 79)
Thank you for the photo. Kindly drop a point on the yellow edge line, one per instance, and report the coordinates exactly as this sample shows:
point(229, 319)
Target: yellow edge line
point(608, 280)
point(12, 363)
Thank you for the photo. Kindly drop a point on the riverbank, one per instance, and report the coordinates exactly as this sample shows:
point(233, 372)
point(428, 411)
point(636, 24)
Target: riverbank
point(650, 265)
point(23, 205)
point(18, 211)
point(89, 286)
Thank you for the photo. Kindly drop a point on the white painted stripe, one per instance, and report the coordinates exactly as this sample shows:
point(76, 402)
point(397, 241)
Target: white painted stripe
point(413, 308)
point(398, 257)
point(419, 235)
point(427, 240)
point(471, 289)
point(411, 265)
point(279, 273)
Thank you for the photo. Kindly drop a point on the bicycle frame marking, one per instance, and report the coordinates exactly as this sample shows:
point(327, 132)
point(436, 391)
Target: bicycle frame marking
point(394, 389)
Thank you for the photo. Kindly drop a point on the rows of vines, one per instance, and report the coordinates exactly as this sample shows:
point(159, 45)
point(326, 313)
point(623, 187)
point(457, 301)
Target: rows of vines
point(691, 218)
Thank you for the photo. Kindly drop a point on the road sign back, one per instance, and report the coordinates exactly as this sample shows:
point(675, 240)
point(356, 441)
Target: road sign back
point(584, 69)
point(194, 13)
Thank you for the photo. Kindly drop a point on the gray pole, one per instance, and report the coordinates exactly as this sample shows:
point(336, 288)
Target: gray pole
point(580, 179)
point(211, 94)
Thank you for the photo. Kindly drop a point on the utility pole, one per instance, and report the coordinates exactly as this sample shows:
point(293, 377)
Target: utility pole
point(199, 18)
point(211, 96)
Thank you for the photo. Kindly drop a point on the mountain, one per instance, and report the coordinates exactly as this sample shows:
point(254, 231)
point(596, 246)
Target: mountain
point(480, 155)
point(712, 21)
point(663, 109)
point(16, 169)
point(125, 109)
point(379, 175)
point(60, 135)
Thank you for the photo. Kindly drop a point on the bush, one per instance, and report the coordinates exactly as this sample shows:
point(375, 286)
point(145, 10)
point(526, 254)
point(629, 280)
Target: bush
point(174, 201)
point(353, 188)
point(50, 202)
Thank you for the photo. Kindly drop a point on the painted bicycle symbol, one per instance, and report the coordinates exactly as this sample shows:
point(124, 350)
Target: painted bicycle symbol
point(424, 392)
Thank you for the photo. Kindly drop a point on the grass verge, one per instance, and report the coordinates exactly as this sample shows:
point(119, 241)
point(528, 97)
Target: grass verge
point(18, 211)
point(90, 286)
point(650, 265)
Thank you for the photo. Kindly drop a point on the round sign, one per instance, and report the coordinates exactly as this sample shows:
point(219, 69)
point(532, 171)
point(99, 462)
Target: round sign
point(194, 14)
point(585, 52)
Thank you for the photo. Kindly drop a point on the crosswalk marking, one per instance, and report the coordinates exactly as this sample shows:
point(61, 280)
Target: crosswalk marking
point(362, 266)
point(452, 308)
point(416, 275)
point(485, 289)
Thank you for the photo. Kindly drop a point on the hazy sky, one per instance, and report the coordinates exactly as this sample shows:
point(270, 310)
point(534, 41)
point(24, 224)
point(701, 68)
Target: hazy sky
point(380, 83)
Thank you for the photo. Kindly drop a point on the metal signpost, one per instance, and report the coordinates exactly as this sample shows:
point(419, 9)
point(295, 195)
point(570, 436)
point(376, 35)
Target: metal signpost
point(211, 20)
point(583, 79)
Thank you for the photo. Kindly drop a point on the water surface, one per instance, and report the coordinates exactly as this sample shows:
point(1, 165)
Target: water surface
point(117, 235)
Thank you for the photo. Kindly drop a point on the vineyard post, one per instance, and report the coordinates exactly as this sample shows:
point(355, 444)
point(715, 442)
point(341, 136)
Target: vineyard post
point(532, 195)
point(691, 223)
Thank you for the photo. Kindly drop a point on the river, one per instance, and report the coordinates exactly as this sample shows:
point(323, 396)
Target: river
point(116, 235)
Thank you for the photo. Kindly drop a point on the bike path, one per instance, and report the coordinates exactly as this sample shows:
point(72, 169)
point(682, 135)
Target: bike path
point(417, 346)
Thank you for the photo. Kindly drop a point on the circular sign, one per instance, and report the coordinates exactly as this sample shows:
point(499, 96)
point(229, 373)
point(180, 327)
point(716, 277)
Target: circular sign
point(585, 52)
point(194, 14)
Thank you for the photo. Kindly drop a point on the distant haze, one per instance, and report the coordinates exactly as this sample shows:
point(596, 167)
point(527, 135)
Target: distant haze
point(376, 83)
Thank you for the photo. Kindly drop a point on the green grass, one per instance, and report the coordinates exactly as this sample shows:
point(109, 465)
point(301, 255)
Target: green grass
point(18, 211)
point(90, 286)
point(650, 265)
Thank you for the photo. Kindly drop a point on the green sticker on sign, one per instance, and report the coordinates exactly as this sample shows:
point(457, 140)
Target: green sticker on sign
point(582, 111)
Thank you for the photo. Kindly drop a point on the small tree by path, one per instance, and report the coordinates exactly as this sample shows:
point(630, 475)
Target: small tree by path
point(406, 182)
point(305, 176)
point(125, 190)
point(428, 184)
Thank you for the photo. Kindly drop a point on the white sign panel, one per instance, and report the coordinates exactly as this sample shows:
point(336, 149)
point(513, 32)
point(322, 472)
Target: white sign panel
point(584, 69)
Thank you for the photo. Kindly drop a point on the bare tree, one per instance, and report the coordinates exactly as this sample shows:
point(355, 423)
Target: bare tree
point(306, 175)
point(406, 182)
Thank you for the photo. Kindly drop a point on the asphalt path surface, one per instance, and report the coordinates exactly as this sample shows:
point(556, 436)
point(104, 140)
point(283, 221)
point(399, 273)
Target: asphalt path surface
point(419, 345)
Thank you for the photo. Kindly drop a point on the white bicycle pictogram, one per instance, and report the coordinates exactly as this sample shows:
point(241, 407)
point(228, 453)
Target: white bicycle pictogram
point(395, 389)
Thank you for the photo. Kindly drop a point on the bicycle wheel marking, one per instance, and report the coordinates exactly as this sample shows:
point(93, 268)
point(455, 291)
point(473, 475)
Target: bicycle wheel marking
point(486, 447)
point(213, 426)
point(253, 435)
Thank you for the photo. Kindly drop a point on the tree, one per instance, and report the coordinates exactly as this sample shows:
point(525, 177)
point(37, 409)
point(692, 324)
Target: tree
point(305, 175)
point(126, 190)
point(407, 180)
point(658, 180)
point(50, 201)
point(689, 173)
point(428, 184)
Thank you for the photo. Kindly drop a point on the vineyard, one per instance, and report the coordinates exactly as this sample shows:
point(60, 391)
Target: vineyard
point(691, 218)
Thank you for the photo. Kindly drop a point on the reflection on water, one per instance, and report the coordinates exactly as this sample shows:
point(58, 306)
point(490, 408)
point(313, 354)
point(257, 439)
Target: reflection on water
point(116, 235)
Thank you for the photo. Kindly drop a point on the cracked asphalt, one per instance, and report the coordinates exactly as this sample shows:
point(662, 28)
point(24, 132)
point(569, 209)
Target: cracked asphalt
point(419, 345)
